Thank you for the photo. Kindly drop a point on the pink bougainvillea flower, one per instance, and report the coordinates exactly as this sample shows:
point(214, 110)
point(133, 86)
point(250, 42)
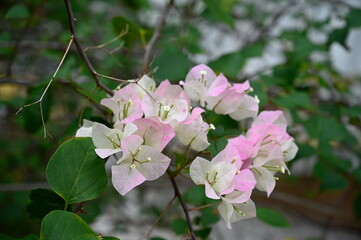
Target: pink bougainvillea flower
point(138, 164)
point(154, 132)
point(218, 178)
point(170, 103)
point(223, 98)
point(125, 105)
point(233, 212)
point(271, 117)
point(108, 141)
point(193, 131)
point(197, 82)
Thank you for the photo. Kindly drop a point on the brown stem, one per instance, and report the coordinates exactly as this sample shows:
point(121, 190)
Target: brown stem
point(184, 206)
point(156, 34)
point(86, 60)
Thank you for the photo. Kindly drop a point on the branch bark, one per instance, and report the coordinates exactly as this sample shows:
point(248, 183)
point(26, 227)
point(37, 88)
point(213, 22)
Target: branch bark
point(155, 36)
point(184, 206)
point(85, 58)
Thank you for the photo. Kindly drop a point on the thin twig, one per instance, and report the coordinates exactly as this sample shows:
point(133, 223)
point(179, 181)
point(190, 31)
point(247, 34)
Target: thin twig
point(85, 58)
point(204, 206)
point(121, 34)
point(160, 216)
point(156, 34)
point(46, 89)
point(184, 206)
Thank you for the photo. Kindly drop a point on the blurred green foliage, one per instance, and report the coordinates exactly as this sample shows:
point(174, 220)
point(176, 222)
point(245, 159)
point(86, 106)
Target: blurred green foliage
point(33, 37)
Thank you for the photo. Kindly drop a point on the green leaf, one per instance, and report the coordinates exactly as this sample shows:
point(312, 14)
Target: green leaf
point(17, 11)
point(196, 196)
point(221, 10)
point(293, 100)
point(157, 238)
point(61, 225)
point(110, 238)
point(353, 19)
point(29, 237)
point(179, 226)
point(75, 172)
point(43, 201)
point(179, 160)
point(203, 233)
point(169, 56)
point(217, 146)
point(338, 36)
point(272, 217)
point(208, 217)
point(135, 33)
point(330, 179)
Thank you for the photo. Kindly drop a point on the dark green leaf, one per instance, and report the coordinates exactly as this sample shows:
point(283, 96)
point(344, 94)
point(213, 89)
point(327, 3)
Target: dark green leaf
point(272, 217)
point(157, 238)
point(75, 172)
point(293, 100)
point(179, 160)
point(203, 233)
point(17, 11)
point(61, 225)
point(179, 226)
point(43, 201)
point(339, 36)
point(217, 146)
point(135, 33)
point(354, 18)
point(170, 56)
point(208, 217)
point(330, 179)
point(221, 10)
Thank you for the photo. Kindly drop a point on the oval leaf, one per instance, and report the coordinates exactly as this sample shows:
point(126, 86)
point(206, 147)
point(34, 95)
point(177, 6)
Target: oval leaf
point(75, 172)
point(272, 217)
point(61, 225)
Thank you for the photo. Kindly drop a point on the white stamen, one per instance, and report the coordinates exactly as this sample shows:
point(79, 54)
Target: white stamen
point(257, 99)
point(211, 126)
point(132, 166)
point(149, 159)
point(203, 72)
point(166, 108)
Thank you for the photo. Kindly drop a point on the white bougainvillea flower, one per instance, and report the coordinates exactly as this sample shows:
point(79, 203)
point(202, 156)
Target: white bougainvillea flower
point(218, 178)
point(139, 163)
point(86, 129)
point(193, 131)
point(230, 99)
point(233, 212)
point(248, 108)
point(144, 86)
point(107, 141)
point(154, 132)
point(170, 103)
point(125, 105)
point(266, 182)
point(197, 82)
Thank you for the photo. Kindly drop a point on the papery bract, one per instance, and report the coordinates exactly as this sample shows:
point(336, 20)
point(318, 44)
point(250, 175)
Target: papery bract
point(198, 81)
point(193, 131)
point(138, 164)
point(125, 105)
point(233, 212)
point(108, 141)
point(218, 178)
point(154, 132)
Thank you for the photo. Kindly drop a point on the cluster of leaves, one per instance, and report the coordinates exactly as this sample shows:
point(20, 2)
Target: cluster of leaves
point(294, 85)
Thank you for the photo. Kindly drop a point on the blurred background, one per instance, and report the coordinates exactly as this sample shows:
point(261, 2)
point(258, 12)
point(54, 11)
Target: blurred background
point(301, 56)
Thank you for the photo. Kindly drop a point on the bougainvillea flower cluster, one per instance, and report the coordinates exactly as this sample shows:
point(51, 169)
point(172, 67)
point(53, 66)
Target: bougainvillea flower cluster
point(147, 119)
